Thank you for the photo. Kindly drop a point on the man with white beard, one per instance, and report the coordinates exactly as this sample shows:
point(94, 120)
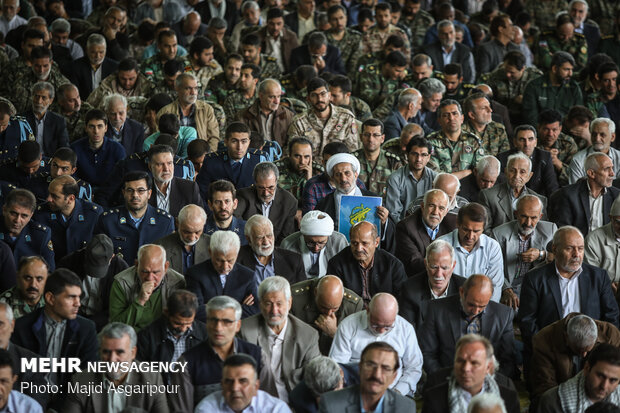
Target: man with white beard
point(262, 256)
point(603, 133)
point(49, 128)
point(117, 344)
point(170, 193)
point(523, 242)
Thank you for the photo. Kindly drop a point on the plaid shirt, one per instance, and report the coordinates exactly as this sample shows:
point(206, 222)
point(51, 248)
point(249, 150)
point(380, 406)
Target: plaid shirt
point(522, 266)
point(179, 343)
point(317, 188)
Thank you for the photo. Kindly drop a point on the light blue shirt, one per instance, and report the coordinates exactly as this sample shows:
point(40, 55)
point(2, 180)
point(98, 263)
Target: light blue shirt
point(262, 402)
point(186, 135)
point(379, 408)
point(19, 403)
point(485, 258)
point(447, 56)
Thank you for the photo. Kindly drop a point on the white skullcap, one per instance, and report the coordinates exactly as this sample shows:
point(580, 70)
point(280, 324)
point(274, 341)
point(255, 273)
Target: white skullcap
point(317, 224)
point(342, 158)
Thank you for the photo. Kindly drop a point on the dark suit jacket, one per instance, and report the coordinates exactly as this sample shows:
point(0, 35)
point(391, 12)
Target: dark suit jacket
point(291, 21)
point(593, 36)
point(54, 131)
point(204, 281)
point(80, 339)
point(443, 327)
point(394, 124)
point(570, 205)
point(231, 15)
point(544, 180)
point(282, 119)
point(436, 396)
point(174, 250)
point(469, 188)
point(181, 38)
point(541, 303)
point(415, 296)
point(461, 55)
point(288, 42)
point(287, 264)
point(333, 62)
point(82, 74)
point(281, 214)
point(386, 276)
point(132, 136)
point(348, 401)
point(412, 239)
point(182, 192)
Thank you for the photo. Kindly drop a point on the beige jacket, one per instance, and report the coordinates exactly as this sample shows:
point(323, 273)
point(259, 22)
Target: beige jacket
point(206, 123)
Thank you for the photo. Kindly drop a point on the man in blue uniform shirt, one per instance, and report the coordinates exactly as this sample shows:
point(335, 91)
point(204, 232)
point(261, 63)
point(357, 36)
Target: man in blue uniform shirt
point(13, 130)
point(24, 171)
point(72, 220)
point(235, 164)
point(24, 236)
point(136, 223)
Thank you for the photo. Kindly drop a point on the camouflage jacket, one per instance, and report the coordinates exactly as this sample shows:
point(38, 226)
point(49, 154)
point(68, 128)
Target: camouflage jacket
point(218, 89)
point(567, 148)
point(548, 43)
point(543, 12)
point(456, 156)
point(22, 88)
point(374, 39)
point(393, 146)
point(206, 73)
point(494, 138)
point(292, 180)
point(375, 176)
point(373, 88)
point(76, 127)
point(350, 48)
point(269, 67)
point(360, 109)
point(109, 86)
point(419, 24)
point(236, 102)
point(153, 68)
point(504, 91)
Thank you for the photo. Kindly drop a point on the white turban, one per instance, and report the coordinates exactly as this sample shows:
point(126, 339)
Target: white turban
point(317, 224)
point(342, 158)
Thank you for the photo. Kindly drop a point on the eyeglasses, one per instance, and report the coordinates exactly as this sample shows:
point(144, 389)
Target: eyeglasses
point(311, 244)
point(369, 365)
point(140, 191)
point(216, 321)
point(378, 327)
point(266, 188)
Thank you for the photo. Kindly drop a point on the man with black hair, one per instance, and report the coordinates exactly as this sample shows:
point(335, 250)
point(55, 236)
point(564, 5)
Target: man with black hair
point(347, 39)
point(24, 170)
point(30, 39)
point(167, 50)
point(196, 152)
point(452, 78)
point(563, 37)
point(224, 83)
point(556, 90)
point(171, 70)
point(490, 54)
point(127, 81)
point(97, 154)
point(135, 223)
point(477, 110)
point(90, 70)
point(201, 57)
point(297, 168)
point(377, 82)
point(251, 48)
point(246, 93)
point(223, 203)
point(72, 220)
point(277, 40)
point(374, 38)
point(13, 400)
point(447, 50)
point(324, 122)
point(340, 89)
point(318, 53)
point(26, 295)
point(561, 146)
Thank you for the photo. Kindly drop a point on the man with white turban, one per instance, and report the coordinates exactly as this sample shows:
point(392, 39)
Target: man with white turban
point(317, 242)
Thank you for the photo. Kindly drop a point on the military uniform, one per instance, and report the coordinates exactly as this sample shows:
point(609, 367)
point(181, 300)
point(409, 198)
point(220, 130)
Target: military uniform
point(566, 147)
point(221, 117)
point(162, 87)
point(350, 48)
point(119, 226)
point(76, 126)
point(603, 12)
point(73, 233)
point(595, 103)
point(505, 92)
point(292, 181)
point(206, 73)
point(548, 43)
point(21, 95)
point(419, 24)
point(375, 176)
point(373, 39)
point(393, 146)
point(236, 102)
point(19, 306)
point(295, 105)
point(388, 105)
point(237, 225)
point(39, 186)
point(153, 68)
point(494, 138)
point(460, 94)
point(543, 11)
point(16, 132)
point(304, 307)
point(11, 172)
point(360, 109)
point(35, 239)
point(5, 188)
point(218, 89)
point(610, 45)
point(269, 67)
point(340, 126)
point(109, 86)
point(540, 94)
point(448, 156)
point(10, 72)
point(373, 88)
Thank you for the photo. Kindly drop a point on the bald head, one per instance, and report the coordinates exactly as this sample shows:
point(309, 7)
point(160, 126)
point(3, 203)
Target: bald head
point(383, 305)
point(448, 183)
point(328, 294)
point(191, 23)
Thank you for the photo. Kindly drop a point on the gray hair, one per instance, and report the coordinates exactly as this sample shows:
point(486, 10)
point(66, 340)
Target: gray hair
point(224, 302)
point(438, 246)
point(445, 174)
point(444, 23)
point(95, 39)
point(274, 284)
point(421, 59)
point(408, 96)
point(611, 125)
point(249, 5)
point(475, 338)
point(224, 241)
point(560, 233)
point(486, 401)
point(519, 155)
point(112, 99)
point(581, 331)
point(428, 87)
point(118, 330)
point(264, 169)
point(60, 25)
point(39, 86)
point(529, 197)
point(436, 191)
point(179, 81)
point(8, 311)
point(143, 248)
point(192, 211)
point(255, 220)
point(218, 23)
point(578, 1)
point(264, 84)
point(489, 163)
point(322, 375)
point(591, 161)
point(316, 40)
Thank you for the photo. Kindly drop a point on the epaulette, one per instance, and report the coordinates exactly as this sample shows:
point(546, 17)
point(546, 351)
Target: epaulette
point(39, 227)
point(95, 207)
point(254, 151)
point(353, 31)
point(20, 118)
point(391, 142)
point(391, 155)
point(164, 213)
point(214, 154)
point(138, 155)
point(111, 211)
point(351, 297)
point(39, 207)
point(579, 35)
point(301, 290)
point(468, 86)
point(271, 59)
point(607, 36)
point(548, 33)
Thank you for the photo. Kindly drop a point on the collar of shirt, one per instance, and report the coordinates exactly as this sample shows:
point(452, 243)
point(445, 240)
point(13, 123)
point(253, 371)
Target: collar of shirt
point(435, 296)
point(273, 336)
point(119, 131)
point(240, 161)
point(53, 323)
point(183, 336)
point(432, 233)
point(268, 265)
point(39, 121)
point(574, 276)
point(136, 221)
point(603, 191)
point(482, 242)
point(579, 29)
point(378, 409)
point(372, 263)
point(468, 317)
point(192, 111)
point(218, 11)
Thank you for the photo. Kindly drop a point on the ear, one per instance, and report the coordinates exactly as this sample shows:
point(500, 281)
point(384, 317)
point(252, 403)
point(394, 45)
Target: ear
point(613, 137)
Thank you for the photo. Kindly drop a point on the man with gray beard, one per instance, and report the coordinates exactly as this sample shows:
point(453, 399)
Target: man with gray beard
point(264, 258)
point(117, 343)
point(49, 128)
point(523, 243)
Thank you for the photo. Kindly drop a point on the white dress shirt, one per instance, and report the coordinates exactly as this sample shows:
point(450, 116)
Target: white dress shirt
point(262, 402)
point(569, 291)
point(276, 342)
